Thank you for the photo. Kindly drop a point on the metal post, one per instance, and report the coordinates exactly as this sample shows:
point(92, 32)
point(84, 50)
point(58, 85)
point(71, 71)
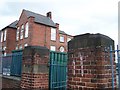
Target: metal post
point(118, 59)
point(112, 69)
point(0, 70)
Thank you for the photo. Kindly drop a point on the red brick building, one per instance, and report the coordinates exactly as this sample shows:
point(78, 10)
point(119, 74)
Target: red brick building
point(7, 38)
point(33, 29)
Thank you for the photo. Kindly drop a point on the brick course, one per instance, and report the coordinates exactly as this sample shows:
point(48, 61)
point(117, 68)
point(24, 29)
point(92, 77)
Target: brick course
point(89, 67)
point(35, 68)
point(40, 34)
point(10, 42)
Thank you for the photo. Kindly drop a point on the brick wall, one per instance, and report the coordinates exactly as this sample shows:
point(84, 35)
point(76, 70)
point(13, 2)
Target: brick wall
point(40, 34)
point(11, 40)
point(35, 81)
point(89, 65)
point(35, 68)
point(22, 21)
point(9, 83)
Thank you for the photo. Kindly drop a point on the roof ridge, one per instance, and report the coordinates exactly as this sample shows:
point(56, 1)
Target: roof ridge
point(42, 19)
point(34, 12)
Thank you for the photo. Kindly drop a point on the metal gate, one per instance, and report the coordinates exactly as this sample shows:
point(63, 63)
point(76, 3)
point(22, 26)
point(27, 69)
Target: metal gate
point(16, 63)
point(6, 64)
point(58, 71)
point(117, 67)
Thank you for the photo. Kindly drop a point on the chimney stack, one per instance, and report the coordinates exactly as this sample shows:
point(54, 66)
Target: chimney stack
point(49, 15)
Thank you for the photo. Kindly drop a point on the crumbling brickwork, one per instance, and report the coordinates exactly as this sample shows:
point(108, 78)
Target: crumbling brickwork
point(35, 68)
point(89, 65)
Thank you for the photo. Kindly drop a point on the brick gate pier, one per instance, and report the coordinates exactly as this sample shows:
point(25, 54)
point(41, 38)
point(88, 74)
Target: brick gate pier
point(89, 65)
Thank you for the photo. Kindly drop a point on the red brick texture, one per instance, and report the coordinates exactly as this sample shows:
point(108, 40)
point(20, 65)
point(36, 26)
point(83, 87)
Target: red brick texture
point(35, 81)
point(40, 35)
point(91, 69)
point(10, 42)
point(89, 66)
point(35, 68)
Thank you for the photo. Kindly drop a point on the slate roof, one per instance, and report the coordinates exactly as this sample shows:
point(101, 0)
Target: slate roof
point(62, 32)
point(13, 25)
point(40, 18)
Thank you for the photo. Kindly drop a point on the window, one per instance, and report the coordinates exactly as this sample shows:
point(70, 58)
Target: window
point(26, 30)
point(5, 53)
point(52, 48)
point(5, 35)
point(16, 47)
point(0, 46)
point(53, 34)
point(4, 48)
point(62, 49)
point(22, 30)
point(26, 45)
point(20, 47)
point(17, 34)
point(68, 39)
point(1, 36)
point(61, 38)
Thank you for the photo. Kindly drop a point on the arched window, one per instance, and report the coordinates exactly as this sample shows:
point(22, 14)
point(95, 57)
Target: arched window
point(22, 31)
point(1, 36)
point(26, 30)
point(62, 49)
point(5, 35)
point(17, 34)
point(53, 34)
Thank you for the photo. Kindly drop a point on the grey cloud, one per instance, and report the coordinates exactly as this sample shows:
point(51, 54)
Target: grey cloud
point(14, 8)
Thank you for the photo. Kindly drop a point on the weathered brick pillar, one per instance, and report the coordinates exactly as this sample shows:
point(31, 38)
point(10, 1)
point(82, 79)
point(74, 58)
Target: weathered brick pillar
point(35, 68)
point(89, 65)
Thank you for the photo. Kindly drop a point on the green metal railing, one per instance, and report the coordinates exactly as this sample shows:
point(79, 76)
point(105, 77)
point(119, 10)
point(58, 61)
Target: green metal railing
point(16, 63)
point(58, 70)
point(11, 63)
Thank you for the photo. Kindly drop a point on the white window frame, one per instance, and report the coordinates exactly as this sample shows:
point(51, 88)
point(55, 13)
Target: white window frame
point(26, 30)
point(53, 34)
point(5, 35)
point(53, 48)
point(5, 53)
point(1, 36)
point(4, 48)
point(17, 47)
point(62, 49)
point(22, 32)
point(20, 47)
point(25, 45)
point(62, 39)
point(17, 34)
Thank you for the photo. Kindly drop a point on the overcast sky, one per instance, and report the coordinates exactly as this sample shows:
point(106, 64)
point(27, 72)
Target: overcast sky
point(74, 16)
